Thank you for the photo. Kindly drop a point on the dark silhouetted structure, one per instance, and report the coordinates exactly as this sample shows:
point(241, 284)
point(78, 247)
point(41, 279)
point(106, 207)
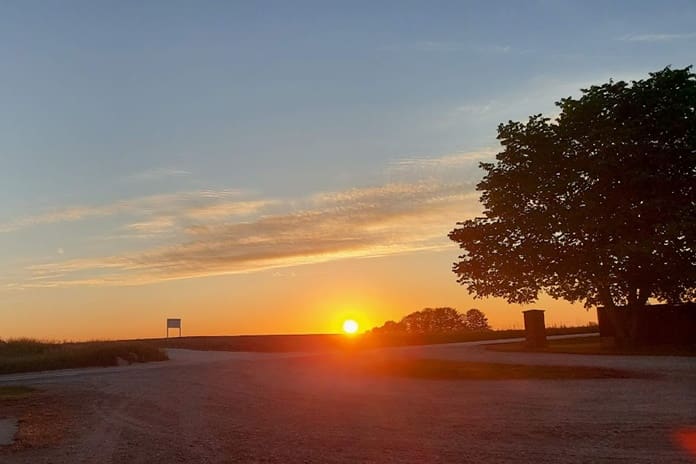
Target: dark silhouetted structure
point(173, 323)
point(443, 320)
point(594, 206)
point(652, 325)
point(534, 328)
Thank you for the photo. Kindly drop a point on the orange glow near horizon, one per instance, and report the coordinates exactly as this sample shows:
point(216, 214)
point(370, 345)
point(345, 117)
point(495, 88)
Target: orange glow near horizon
point(306, 299)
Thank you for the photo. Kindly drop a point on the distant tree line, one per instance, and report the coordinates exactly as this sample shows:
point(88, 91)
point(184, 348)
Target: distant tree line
point(436, 321)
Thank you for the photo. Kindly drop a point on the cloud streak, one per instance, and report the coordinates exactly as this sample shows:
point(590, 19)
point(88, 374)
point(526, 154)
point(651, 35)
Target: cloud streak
point(187, 203)
point(157, 174)
point(376, 221)
point(448, 161)
point(444, 47)
point(213, 232)
point(657, 37)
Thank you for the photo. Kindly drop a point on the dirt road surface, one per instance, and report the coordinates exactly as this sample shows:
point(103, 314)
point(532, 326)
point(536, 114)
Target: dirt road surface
point(213, 407)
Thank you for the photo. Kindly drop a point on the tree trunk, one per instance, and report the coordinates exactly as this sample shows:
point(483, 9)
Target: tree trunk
point(626, 319)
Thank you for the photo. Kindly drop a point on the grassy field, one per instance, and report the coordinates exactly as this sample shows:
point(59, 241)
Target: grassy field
point(322, 342)
point(257, 343)
point(26, 355)
point(592, 345)
point(14, 392)
point(371, 341)
point(442, 369)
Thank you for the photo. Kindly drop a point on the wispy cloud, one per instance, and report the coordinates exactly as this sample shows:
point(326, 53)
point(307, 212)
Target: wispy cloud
point(52, 217)
point(157, 174)
point(192, 203)
point(447, 161)
point(658, 37)
point(494, 49)
point(438, 47)
point(452, 168)
point(213, 232)
point(477, 109)
point(154, 226)
point(394, 218)
point(444, 46)
point(229, 209)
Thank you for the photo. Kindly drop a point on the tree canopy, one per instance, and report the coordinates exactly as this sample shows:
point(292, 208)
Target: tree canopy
point(475, 320)
point(597, 205)
point(436, 320)
point(433, 320)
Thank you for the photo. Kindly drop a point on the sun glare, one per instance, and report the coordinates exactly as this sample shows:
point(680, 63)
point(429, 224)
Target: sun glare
point(350, 326)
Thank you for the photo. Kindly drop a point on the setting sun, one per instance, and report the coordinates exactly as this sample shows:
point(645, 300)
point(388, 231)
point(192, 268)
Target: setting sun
point(350, 326)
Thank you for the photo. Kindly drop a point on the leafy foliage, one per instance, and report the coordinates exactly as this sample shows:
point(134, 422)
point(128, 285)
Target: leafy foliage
point(436, 321)
point(475, 320)
point(433, 320)
point(597, 206)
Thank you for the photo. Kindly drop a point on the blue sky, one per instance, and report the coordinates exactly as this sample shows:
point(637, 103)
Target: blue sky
point(133, 135)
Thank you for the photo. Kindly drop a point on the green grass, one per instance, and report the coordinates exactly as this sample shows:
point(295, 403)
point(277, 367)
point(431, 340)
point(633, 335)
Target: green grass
point(14, 392)
point(27, 355)
point(593, 345)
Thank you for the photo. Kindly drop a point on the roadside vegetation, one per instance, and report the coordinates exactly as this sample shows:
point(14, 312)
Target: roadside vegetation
point(324, 342)
point(14, 392)
point(431, 326)
point(370, 340)
point(27, 355)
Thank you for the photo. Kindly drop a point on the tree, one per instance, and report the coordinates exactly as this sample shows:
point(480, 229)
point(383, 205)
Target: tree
point(598, 205)
point(433, 320)
point(475, 320)
point(389, 327)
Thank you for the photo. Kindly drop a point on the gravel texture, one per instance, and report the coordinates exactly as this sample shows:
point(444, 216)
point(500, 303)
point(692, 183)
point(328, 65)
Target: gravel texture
point(212, 407)
point(8, 429)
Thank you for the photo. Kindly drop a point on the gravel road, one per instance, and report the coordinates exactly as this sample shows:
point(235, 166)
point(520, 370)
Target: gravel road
point(213, 407)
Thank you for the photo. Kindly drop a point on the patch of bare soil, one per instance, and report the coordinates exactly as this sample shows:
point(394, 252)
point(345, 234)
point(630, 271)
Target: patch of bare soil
point(45, 417)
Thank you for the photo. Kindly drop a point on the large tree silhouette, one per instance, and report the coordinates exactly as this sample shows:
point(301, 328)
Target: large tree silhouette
point(598, 205)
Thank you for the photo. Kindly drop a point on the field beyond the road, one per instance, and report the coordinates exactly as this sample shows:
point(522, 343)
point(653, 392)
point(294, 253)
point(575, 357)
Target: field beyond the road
point(26, 355)
point(327, 342)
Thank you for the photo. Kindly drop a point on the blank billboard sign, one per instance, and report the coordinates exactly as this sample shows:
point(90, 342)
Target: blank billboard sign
point(173, 324)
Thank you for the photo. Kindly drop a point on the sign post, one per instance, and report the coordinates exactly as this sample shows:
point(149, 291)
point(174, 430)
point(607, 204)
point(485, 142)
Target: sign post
point(173, 324)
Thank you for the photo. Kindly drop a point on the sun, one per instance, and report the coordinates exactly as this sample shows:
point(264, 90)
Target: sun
point(350, 326)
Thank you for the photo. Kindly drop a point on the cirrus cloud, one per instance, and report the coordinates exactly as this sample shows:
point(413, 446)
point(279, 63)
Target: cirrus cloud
point(367, 222)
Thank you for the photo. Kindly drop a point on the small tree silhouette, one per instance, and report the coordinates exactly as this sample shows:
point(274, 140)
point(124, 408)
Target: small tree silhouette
point(475, 320)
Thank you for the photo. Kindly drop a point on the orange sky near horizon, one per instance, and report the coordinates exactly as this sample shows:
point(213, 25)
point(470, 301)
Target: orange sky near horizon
point(314, 298)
